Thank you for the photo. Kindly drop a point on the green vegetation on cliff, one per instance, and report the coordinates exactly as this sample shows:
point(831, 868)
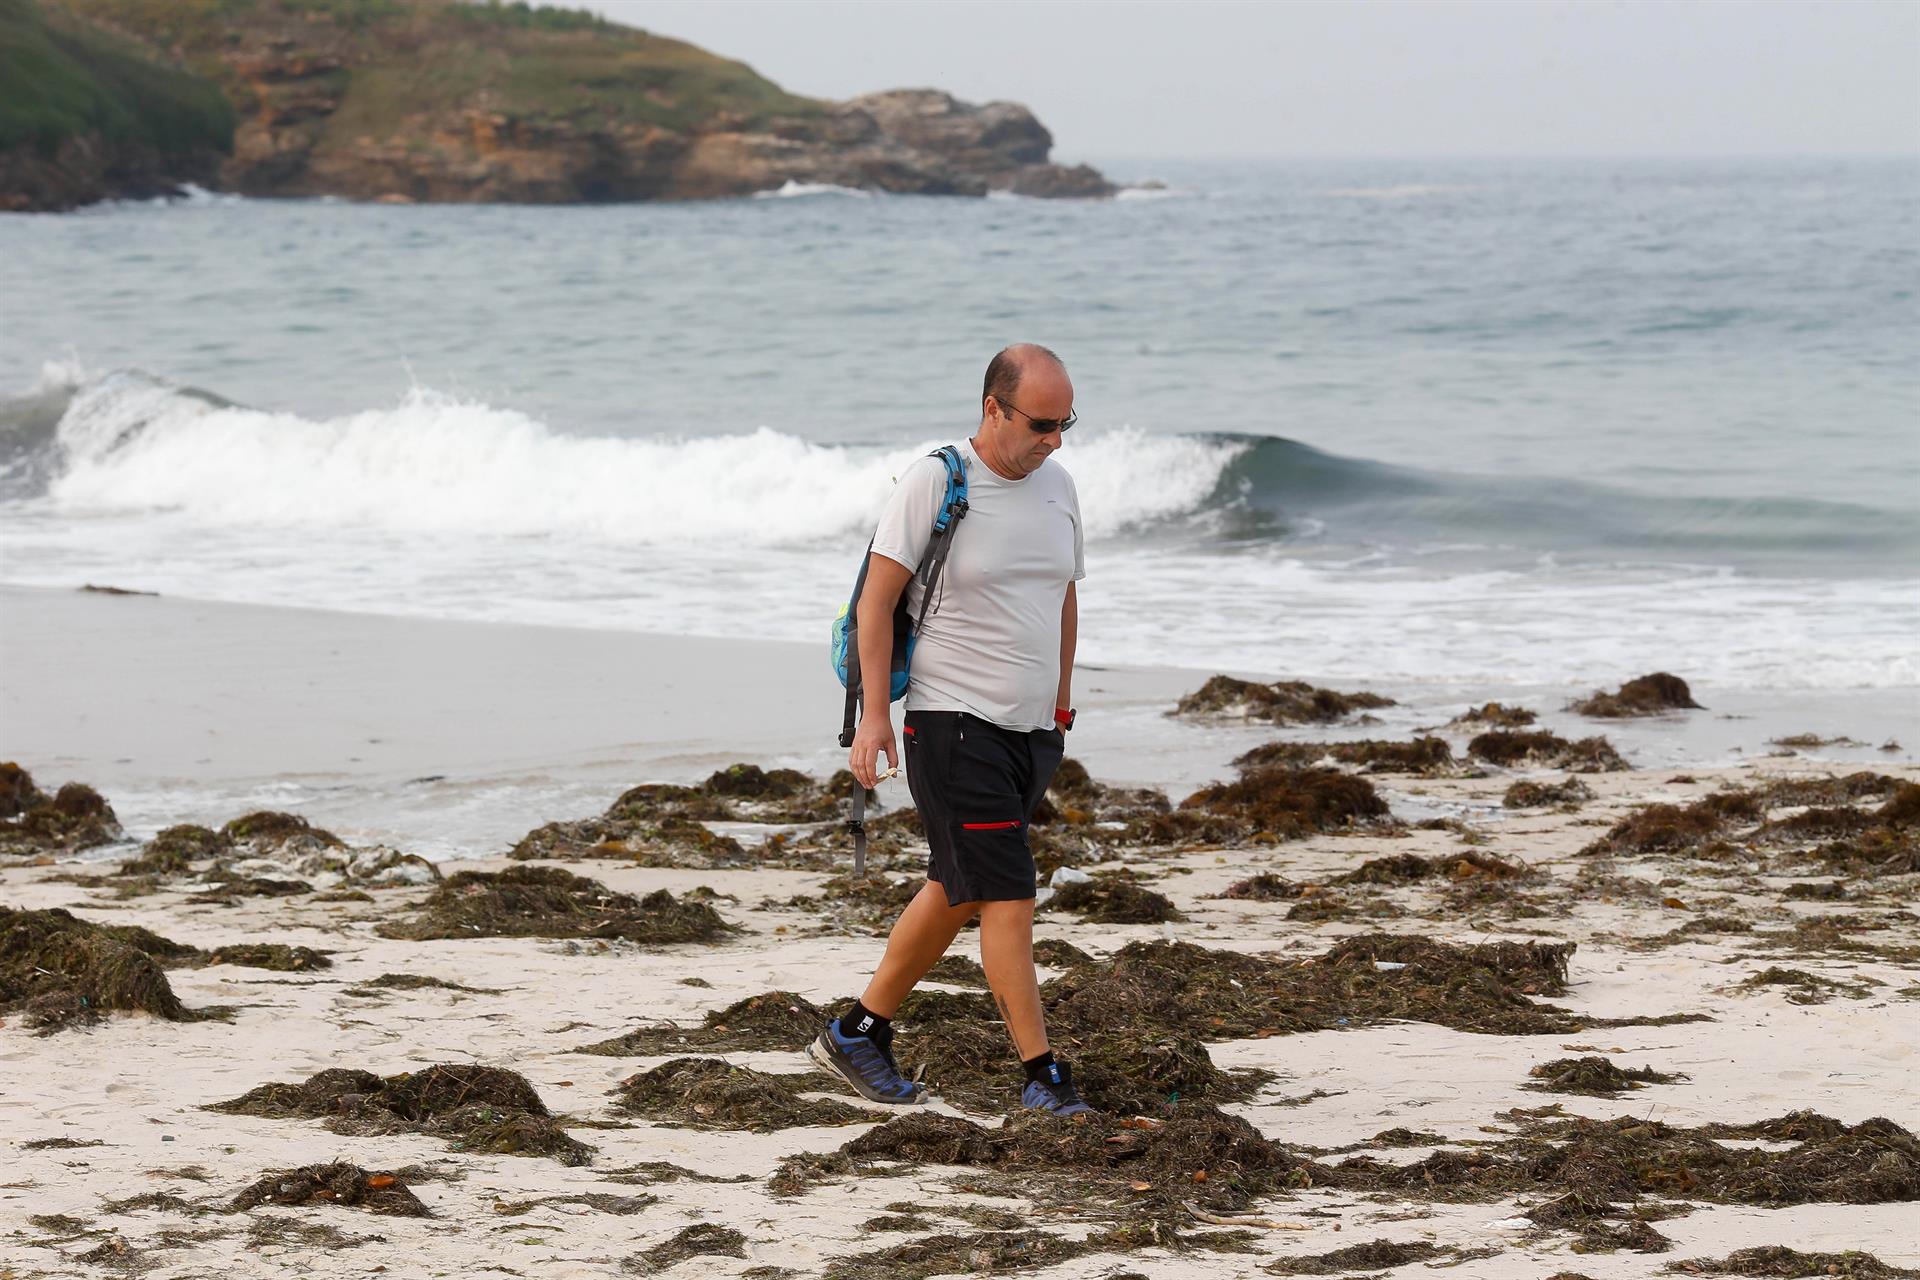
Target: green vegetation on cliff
point(62, 79)
point(405, 61)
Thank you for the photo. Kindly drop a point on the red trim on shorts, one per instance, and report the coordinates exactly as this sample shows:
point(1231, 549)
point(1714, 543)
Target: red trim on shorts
point(988, 826)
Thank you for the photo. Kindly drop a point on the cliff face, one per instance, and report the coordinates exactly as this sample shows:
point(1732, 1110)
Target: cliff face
point(85, 116)
point(440, 101)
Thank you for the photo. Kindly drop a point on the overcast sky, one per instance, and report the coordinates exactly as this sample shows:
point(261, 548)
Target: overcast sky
point(1154, 79)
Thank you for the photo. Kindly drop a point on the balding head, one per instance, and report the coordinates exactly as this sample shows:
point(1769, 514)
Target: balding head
point(1007, 370)
point(1024, 400)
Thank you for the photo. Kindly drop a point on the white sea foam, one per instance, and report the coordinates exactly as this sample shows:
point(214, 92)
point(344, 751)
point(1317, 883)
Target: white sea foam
point(790, 189)
point(439, 464)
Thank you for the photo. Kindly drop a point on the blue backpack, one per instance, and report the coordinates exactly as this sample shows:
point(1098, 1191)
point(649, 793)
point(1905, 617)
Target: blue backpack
point(906, 630)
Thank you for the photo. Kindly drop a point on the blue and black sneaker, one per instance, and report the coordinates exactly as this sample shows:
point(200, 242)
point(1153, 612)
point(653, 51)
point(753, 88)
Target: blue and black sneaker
point(1054, 1093)
point(865, 1064)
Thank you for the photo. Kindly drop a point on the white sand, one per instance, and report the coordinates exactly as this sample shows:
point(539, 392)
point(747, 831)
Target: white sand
point(299, 700)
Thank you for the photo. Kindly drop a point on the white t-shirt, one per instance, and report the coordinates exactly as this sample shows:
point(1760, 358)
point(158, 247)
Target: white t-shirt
point(991, 645)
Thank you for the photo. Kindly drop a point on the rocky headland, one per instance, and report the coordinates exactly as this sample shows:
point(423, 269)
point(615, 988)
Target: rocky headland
point(439, 101)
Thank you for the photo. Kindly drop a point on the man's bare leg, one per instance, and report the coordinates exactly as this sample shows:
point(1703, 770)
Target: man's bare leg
point(1006, 953)
point(920, 937)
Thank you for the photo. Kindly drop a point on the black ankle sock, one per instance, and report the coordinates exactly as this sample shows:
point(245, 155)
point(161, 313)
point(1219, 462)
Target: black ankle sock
point(862, 1021)
point(1040, 1068)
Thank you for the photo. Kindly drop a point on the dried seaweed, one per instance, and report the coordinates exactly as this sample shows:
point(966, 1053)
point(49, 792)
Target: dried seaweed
point(60, 971)
point(1496, 714)
point(712, 1094)
point(337, 1183)
point(549, 902)
point(1113, 898)
point(986, 1252)
point(1594, 1076)
point(1778, 1260)
point(486, 1109)
point(771, 1020)
point(703, 1240)
point(1535, 795)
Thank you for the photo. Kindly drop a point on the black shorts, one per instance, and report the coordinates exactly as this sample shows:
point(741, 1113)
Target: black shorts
point(977, 786)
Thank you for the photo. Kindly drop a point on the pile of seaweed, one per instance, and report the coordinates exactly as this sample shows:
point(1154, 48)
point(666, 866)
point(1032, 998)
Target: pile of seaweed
point(1568, 792)
point(868, 904)
point(1122, 1169)
point(550, 902)
point(1283, 702)
point(1834, 831)
point(1595, 1077)
point(771, 1020)
point(58, 971)
point(1402, 868)
point(337, 1183)
point(1269, 803)
point(1539, 749)
point(484, 1109)
point(1113, 897)
point(663, 824)
point(1779, 1260)
point(1074, 799)
point(701, 1240)
point(709, 1093)
point(34, 824)
point(1427, 756)
point(1588, 1165)
point(1499, 715)
point(947, 1254)
point(1134, 1026)
point(257, 854)
point(1649, 695)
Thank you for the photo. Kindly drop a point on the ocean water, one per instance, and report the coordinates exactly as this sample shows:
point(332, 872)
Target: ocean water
point(1533, 422)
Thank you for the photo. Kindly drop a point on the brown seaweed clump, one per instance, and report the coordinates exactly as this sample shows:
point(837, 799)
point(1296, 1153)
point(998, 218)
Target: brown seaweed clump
point(1649, 695)
point(1402, 868)
point(341, 1184)
point(1275, 802)
point(1427, 756)
point(708, 1093)
point(33, 824)
point(1595, 1077)
point(705, 1239)
point(946, 1254)
point(476, 1108)
point(1542, 750)
point(1803, 987)
point(859, 904)
point(663, 824)
point(1372, 1256)
point(1125, 1169)
point(1496, 714)
point(1571, 792)
point(1268, 887)
point(270, 955)
point(1778, 1260)
point(549, 902)
point(1073, 798)
point(174, 851)
point(60, 971)
point(1114, 898)
point(771, 1020)
point(1283, 702)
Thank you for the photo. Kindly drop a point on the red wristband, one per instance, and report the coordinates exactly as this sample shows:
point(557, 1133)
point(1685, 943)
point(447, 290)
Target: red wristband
point(1063, 716)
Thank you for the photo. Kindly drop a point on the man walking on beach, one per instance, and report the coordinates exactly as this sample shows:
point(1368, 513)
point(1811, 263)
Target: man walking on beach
point(987, 708)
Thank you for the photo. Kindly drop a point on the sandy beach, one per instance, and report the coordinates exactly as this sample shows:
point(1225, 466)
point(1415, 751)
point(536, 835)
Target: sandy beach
point(457, 740)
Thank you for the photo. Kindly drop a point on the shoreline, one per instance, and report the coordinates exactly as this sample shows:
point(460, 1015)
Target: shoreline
point(450, 737)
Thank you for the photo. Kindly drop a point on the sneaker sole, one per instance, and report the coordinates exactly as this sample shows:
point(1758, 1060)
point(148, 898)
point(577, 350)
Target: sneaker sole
point(824, 1060)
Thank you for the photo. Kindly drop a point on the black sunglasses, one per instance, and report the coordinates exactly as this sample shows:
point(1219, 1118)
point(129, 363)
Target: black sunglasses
point(1041, 426)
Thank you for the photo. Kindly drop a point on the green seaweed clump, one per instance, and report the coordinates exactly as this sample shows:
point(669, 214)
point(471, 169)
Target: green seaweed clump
point(1775, 1260)
point(549, 902)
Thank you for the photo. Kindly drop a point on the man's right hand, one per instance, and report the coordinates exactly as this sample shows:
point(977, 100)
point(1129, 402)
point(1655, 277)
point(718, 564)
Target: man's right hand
point(874, 736)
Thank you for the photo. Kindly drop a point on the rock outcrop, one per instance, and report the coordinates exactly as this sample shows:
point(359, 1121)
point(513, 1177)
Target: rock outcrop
point(440, 101)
